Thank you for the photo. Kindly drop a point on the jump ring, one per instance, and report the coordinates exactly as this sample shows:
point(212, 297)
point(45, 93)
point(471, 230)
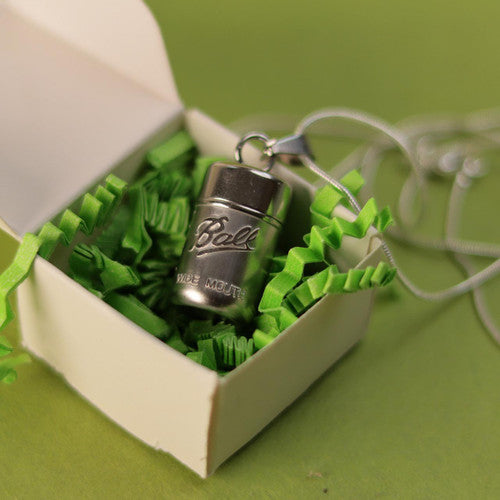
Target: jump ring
point(252, 136)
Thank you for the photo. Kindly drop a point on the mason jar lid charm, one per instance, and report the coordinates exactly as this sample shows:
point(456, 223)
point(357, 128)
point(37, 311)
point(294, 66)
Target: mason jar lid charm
point(231, 240)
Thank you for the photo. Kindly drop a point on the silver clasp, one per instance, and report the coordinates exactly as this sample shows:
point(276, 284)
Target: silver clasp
point(288, 149)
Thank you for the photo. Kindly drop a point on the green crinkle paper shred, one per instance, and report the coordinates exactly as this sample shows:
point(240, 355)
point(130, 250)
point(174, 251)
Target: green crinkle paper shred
point(131, 263)
point(288, 294)
point(95, 211)
point(8, 374)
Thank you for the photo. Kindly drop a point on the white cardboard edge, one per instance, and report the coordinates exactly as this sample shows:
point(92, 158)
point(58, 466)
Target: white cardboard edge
point(122, 34)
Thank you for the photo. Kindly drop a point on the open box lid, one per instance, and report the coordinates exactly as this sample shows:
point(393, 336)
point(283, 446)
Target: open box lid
point(82, 84)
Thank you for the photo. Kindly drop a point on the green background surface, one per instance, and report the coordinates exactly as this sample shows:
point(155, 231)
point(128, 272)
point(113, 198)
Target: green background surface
point(413, 411)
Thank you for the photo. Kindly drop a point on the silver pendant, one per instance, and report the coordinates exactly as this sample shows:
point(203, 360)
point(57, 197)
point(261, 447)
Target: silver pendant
point(232, 238)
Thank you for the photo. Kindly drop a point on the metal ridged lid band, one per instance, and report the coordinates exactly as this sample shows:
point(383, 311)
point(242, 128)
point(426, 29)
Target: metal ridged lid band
point(249, 187)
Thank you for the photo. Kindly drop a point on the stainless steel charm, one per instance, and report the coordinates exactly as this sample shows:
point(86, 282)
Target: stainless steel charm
point(231, 240)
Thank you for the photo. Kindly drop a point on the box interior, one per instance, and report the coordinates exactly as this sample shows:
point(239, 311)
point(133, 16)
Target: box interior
point(214, 140)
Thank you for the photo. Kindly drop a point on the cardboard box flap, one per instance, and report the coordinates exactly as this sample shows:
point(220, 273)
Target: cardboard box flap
point(133, 47)
point(75, 98)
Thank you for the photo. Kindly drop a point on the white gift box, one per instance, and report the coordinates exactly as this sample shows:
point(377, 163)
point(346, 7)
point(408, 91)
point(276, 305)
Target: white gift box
point(86, 89)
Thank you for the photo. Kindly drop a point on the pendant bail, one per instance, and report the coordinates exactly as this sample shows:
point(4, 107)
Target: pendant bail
point(289, 149)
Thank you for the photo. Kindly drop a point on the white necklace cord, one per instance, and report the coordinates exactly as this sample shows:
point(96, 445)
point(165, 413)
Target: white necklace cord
point(458, 192)
point(379, 126)
point(462, 180)
point(372, 153)
point(454, 245)
point(369, 167)
point(401, 140)
point(453, 291)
